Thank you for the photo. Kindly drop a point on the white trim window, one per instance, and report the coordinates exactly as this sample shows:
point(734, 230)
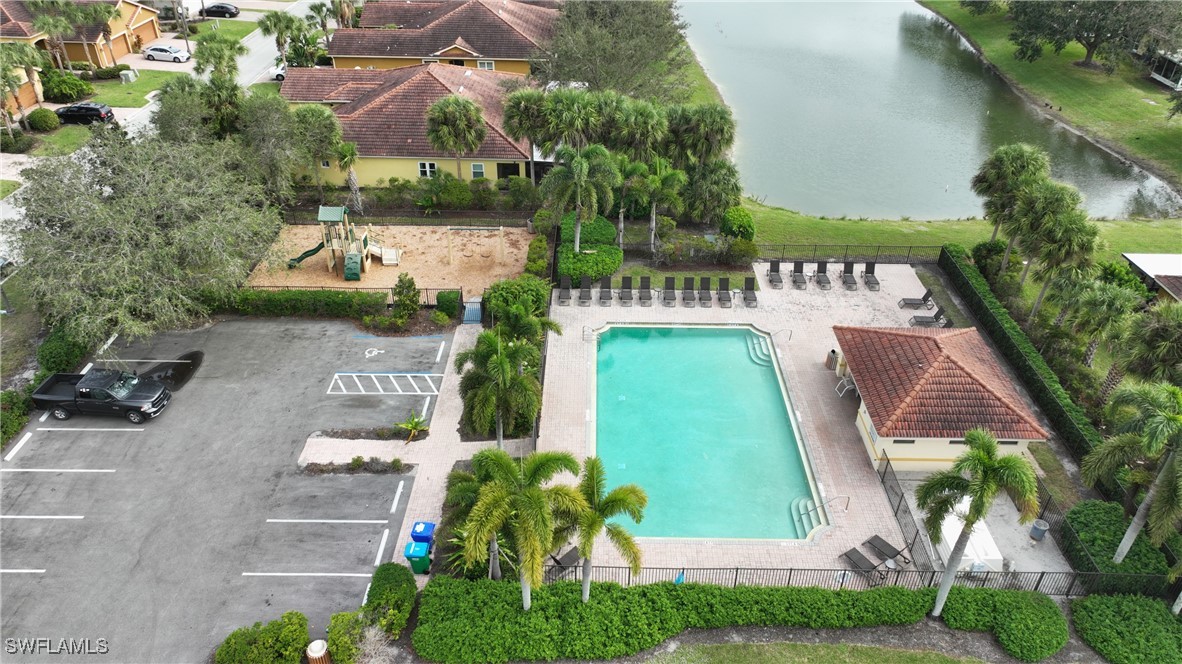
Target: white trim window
point(324, 164)
point(487, 65)
point(426, 169)
point(428, 61)
point(477, 170)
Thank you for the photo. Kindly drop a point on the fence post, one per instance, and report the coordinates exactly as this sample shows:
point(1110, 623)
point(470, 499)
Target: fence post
point(908, 254)
point(1038, 584)
point(1071, 586)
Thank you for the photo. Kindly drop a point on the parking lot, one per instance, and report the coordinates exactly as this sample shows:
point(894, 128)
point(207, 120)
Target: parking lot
point(164, 537)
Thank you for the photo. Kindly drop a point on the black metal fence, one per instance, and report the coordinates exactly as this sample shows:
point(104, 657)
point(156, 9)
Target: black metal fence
point(428, 297)
point(414, 217)
point(858, 253)
point(912, 534)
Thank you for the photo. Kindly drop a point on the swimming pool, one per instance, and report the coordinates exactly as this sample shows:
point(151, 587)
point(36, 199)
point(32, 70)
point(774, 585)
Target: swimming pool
point(699, 418)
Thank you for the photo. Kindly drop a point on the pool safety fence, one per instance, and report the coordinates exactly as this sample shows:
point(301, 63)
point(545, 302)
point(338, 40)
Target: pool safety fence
point(858, 253)
point(897, 499)
point(428, 297)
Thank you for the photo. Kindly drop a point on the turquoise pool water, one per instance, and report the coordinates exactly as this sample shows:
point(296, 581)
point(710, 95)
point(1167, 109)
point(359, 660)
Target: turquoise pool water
point(697, 417)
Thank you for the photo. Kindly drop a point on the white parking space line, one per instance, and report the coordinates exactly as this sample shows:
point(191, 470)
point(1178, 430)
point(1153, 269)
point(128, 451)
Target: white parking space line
point(86, 369)
point(359, 388)
point(414, 384)
point(365, 597)
point(22, 571)
point(377, 384)
point(44, 416)
point(336, 386)
point(87, 429)
point(13, 451)
point(397, 496)
point(27, 516)
point(153, 361)
point(359, 521)
point(432, 384)
point(349, 382)
point(365, 575)
point(396, 385)
point(440, 353)
point(107, 345)
point(425, 404)
point(55, 470)
point(381, 547)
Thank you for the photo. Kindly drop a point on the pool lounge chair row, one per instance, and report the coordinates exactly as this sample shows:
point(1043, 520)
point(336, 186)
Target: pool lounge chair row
point(702, 296)
point(800, 280)
point(884, 550)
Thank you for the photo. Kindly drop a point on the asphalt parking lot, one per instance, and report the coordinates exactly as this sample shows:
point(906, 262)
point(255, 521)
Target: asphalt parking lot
point(162, 538)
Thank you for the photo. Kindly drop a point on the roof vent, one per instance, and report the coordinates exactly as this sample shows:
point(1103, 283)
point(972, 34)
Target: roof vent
point(467, 72)
point(461, 88)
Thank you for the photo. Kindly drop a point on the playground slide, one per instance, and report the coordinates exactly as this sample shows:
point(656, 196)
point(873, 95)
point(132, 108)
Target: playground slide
point(307, 254)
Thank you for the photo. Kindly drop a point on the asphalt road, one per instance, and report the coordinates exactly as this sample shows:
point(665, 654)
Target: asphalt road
point(202, 522)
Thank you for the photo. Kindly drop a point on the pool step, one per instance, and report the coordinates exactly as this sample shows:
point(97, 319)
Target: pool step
point(794, 510)
point(758, 351)
point(804, 515)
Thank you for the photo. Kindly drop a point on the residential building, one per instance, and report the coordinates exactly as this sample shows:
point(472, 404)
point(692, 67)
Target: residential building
point(135, 26)
point(1162, 273)
point(29, 93)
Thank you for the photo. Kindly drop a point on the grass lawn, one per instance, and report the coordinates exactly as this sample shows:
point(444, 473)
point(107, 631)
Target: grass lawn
point(7, 187)
point(233, 27)
point(62, 141)
point(658, 276)
point(271, 88)
point(1125, 108)
point(702, 89)
point(131, 95)
point(18, 329)
point(774, 653)
point(1055, 476)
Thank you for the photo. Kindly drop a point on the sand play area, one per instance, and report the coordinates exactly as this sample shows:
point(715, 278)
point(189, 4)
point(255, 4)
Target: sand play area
point(478, 258)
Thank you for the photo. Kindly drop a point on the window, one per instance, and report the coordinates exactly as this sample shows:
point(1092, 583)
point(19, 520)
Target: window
point(956, 442)
point(486, 64)
point(324, 164)
point(428, 61)
point(904, 442)
point(507, 170)
point(426, 169)
point(1007, 442)
point(477, 171)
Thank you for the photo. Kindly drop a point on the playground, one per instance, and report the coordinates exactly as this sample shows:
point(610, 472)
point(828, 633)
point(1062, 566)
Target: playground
point(436, 256)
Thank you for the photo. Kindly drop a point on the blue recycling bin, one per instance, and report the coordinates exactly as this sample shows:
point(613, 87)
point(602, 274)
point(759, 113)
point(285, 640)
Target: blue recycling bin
point(418, 554)
point(423, 531)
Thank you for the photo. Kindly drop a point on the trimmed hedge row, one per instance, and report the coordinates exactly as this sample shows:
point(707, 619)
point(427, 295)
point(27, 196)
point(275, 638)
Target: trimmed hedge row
point(1128, 629)
point(448, 302)
point(535, 257)
point(312, 303)
point(1027, 624)
point(461, 621)
point(595, 232)
point(594, 262)
point(1068, 419)
point(278, 642)
point(1100, 526)
point(524, 289)
point(391, 597)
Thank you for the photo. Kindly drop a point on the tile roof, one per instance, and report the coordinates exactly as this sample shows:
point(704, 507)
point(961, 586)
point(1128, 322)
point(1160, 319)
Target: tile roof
point(1170, 283)
point(489, 28)
point(16, 20)
point(384, 111)
point(934, 383)
point(418, 13)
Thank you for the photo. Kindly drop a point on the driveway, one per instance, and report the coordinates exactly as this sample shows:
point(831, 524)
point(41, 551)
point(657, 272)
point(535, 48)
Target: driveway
point(163, 538)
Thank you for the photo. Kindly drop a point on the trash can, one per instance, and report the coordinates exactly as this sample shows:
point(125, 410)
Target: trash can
point(419, 556)
point(423, 531)
point(318, 653)
point(831, 360)
point(1038, 529)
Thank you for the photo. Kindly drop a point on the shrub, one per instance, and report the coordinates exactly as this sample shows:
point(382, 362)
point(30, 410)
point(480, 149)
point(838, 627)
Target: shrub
point(523, 195)
point(357, 463)
point(14, 413)
point(1027, 624)
point(18, 143)
point(1099, 527)
point(526, 289)
point(43, 119)
point(1119, 273)
point(391, 597)
point(543, 222)
point(344, 636)
point(741, 252)
point(308, 303)
point(278, 642)
point(110, 73)
point(987, 257)
point(439, 318)
point(536, 268)
point(596, 262)
point(62, 87)
point(60, 352)
point(538, 248)
point(449, 303)
point(738, 223)
point(384, 323)
point(444, 191)
point(1128, 629)
point(665, 227)
point(398, 193)
point(484, 196)
point(595, 232)
point(406, 297)
point(396, 465)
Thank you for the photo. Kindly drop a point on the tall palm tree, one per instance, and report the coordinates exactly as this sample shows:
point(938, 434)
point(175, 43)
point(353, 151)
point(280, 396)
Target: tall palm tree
point(456, 125)
point(1003, 174)
point(102, 14)
point(628, 500)
point(642, 130)
point(663, 190)
point(712, 188)
point(10, 83)
point(346, 160)
point(1101, 308)
point(585, 178)
point(218, 54)
point(14, 55)
point(571, 119)
point(1149, 346)
point(979, 474)
point(56, 29)
point(525, 120)
point(1149, 428)
point(633, 178)
point(517, 322)
point(319, 14)
point(610, 107)
point(699, 133)
point(501, 385)
point(280, 25)
point(1042, 206)
point(1067, 293)
point(1069, 249)
point(463, 490)
point(344, 10)
point(521, 498)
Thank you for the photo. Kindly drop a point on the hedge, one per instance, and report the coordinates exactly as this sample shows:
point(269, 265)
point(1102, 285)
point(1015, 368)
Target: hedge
point(595, 262)
point(391, 597)
point(1128, 629)
point(1099, 527)
point(462, 621)
point(344, 636)
point(60, 353)
point(448, 302)
point(18, 143)
point(526, 289)
point(738, 223)
point(1068, 419)
point(310, 303)
point(278, 642)
point(1027, 624)
point(595, 232)
point(14, 413)
point(43, 119)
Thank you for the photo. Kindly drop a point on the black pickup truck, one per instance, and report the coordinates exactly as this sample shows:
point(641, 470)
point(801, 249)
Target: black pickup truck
point(102, 392)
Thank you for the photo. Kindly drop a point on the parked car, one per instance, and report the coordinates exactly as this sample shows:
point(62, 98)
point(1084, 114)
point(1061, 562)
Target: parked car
point(219, 10)
point(102, 392)
point(279, 71)
point(166, 53)
point(87, 112)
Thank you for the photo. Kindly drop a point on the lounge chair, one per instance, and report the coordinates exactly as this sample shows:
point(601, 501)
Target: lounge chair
point(626, 291)
point(868, 277)
point(585, 292)
point(820, 277)
point(704, 294)
point(947, 322)
point(936, 319)
point(773, 275)
point(688, 296)
point(844, 386)
point(669, 293)
point(646, 292)
point(564, 566)
point(605, 291)
point(564, 291)
point(724, 292)
point(864, 567)
point(749, 298)
point(798, 279)
point(917, 302)
point(847, 276)
point(886, 550)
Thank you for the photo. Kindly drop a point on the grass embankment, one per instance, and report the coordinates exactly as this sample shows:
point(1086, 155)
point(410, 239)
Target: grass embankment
point(270, 88)
point(7, 187)
point(131, 95)
point(18, 332)
point(233, 27)
point(702, 89)
point(60, 142)
point(772, 653)
point(1125, 108)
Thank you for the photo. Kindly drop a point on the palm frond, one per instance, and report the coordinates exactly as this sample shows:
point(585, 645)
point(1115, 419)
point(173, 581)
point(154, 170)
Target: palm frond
point(626, 545)
point(539, 467)
point(628, 499)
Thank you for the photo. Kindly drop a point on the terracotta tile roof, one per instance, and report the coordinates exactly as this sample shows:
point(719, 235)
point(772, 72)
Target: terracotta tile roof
point(384, 111)
point(934, 383)
point(419, 13)
point(490, 28)
point(1170, 283)
point(15, 19)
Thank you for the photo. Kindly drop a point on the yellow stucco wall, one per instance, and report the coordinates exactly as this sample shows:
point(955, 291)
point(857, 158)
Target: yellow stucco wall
point(510, 66)
point(97, 53)
point(371, 169)
point(925, 454)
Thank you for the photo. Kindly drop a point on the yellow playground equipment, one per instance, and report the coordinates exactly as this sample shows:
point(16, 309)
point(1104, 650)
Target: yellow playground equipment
point(346, 246)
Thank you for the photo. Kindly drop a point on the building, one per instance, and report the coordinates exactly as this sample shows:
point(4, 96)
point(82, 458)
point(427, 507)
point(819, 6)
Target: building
point(1166, 68)
point(498, 35)
point(135, 26)
point(923, 388)
point(384, 111)
point(1162, 273)
point(29, 92)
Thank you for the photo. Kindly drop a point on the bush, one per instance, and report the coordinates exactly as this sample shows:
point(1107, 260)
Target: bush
point(60, 353)
point(595, 262)
point(357, 463)
point(398, 193)
point(43, 119)
point(738, 223)
point(535, 257)
point(1119, 273)
point(523, 195)
point(110, 73)
point(406, 297)
point(1027, 624)
point(396, 465)
point(536, 268)
point(18, 143)
point(1128, 629)
point(1099, 527)
point(543, 222)
point(344, 636)
point(308, 303)
point(278, 642)
point(741, 252)
point(14, 413)
point(665, 227)
point(484, 196)
point(595, 232)
point(444, 191)
point(62, 87)
point(987, 257)
point(527, 289)
point(385, 323)
point(449, 303)
point(391, 597)
point(439, 318)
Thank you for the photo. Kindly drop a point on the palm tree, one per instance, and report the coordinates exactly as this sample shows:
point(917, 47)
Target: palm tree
point(1067, 293)
point(628, 500)
point(218, 54)
point(102, 14)
point(14, 55)
point(699, 134)
point(1101, 308)
point(344, 10)
point(501, 385)
point(319, 14)
point(1069, 250)
point(571, 119)
point(463, 490)
point(633, 178)
point(456, 125)
point(1042, 205)
point(1150, 429)
point(56, 29)
point(10, 83)
point(712, 188)
point(346, 160)
point(1003, 174)
point(586, 177)
point(663, 190)
point(517, 322)
point(1148, 345)
point(280, 25)
point(525, 120)
point(519, 497)
point(979, 474)
point(642, 131)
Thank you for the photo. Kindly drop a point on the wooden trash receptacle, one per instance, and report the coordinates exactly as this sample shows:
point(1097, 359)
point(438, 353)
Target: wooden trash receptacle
point(318, 653)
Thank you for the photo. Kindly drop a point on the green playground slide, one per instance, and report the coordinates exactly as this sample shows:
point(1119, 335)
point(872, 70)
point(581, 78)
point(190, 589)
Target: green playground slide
point(299, 259)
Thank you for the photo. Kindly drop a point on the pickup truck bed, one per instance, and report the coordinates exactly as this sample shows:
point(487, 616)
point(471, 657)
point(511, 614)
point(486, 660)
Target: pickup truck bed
point(61, 388)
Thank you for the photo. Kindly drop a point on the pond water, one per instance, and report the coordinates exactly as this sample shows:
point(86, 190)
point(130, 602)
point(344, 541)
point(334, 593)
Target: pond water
point(880, 110)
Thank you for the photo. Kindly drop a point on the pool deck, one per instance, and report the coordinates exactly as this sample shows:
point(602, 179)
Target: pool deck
point(801, 322)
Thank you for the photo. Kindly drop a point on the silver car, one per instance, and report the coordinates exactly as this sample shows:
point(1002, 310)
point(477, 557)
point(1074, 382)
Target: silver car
point(166, 53)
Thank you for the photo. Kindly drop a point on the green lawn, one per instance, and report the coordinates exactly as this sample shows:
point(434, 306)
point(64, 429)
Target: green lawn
point(233, 27)
point(658, 276)
point(271, 88)
point(702, 89)
point(7, 187)
point(131, 95)
point(1126, 107)
point(800, 653)
point(62, 141)
point(18, 329)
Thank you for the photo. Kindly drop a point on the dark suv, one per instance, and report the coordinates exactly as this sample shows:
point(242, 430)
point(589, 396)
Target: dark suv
point(86, 112)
